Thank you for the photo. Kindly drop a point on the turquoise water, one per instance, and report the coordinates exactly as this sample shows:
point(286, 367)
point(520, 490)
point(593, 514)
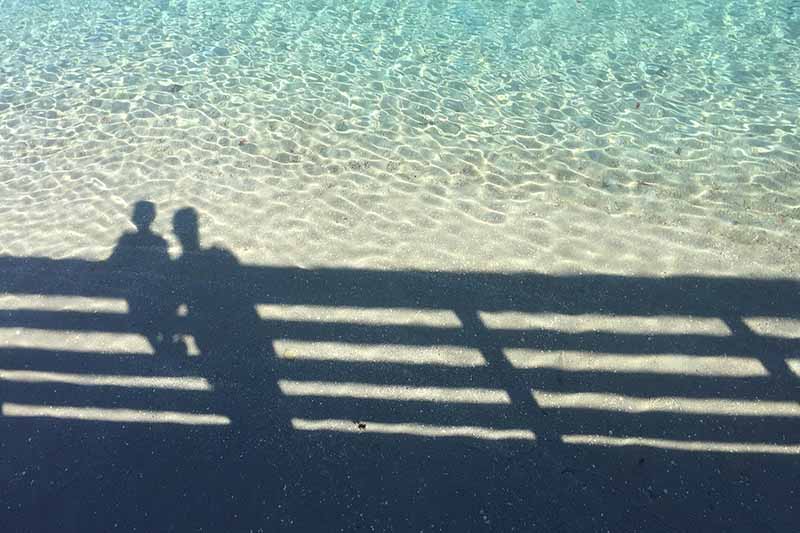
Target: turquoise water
point(666, 111)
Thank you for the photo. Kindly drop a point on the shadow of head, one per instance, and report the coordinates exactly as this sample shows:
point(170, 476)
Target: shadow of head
point(144, 213)
point(185, 227)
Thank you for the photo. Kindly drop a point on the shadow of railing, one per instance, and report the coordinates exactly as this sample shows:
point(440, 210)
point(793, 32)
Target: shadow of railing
point(685, 363)
point(395, 399)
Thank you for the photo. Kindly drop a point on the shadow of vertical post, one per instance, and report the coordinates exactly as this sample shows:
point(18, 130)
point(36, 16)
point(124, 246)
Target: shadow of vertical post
point(523, 404)
point(767, 352)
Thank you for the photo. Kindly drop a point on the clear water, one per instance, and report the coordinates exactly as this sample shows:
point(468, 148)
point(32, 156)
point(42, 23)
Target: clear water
point(340, 123)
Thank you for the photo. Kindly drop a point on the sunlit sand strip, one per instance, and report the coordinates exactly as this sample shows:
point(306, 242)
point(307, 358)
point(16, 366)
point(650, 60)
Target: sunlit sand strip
point(39, 339)
point(113, 415)
point(686, 365)
point(144, 382)
point(192, 349)
point(794, 366)
point(644, 325)
point(360, 315)
point(691, 446)
point(36, 302)
point(629, 404)
point(393, 392)
point(777, 327)
point(349, 426)
point(381, 353)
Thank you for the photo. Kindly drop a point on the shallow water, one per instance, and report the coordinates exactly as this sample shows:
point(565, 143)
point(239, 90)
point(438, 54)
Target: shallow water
point(552, 135)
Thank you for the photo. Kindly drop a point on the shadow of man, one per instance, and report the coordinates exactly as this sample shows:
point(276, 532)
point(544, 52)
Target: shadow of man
point(143, 255)
point(237, 356)
point(221, 316)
